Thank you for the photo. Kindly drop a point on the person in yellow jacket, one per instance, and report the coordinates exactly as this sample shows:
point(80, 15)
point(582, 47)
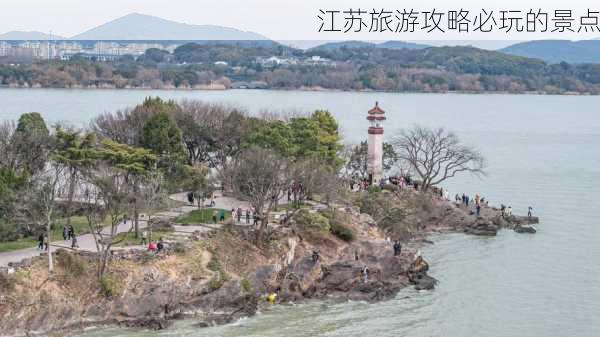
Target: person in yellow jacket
point(271, 298)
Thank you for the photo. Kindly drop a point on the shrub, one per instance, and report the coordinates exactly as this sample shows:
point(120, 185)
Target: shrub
point(8, 232)
point(109, 285)
point(342, 232)
point(246, 285)
point(6, 283)
point(72, 264)
point(374, 189)
point(312, 221)
point(179, 248)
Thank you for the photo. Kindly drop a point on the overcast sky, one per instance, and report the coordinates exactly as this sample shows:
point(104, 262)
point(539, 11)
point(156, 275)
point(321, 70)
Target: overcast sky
point(276, 19)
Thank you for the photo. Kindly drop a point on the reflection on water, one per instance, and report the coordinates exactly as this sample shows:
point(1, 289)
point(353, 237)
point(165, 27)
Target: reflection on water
point(542, 151)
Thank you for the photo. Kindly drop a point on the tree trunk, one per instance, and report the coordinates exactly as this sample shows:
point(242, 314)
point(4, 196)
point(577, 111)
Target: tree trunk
point(49, 235)
point(136, 212)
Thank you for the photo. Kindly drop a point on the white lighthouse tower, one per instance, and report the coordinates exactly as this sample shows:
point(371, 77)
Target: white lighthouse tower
point(375, 117)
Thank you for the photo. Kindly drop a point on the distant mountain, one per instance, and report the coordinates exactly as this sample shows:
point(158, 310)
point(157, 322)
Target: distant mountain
point(555, 51)
point(145, 27)
point(18, 35)
point(363, 44)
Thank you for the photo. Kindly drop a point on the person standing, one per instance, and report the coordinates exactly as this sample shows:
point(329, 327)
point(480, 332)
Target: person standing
point(529, 211)
point(144, 238)
point(247, 216)
point(478, 209)
point(365, 273)
point(397, 248)
point(239, 215)
point(65, 232)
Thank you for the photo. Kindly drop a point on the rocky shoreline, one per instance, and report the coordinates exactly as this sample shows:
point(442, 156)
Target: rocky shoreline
point(222, 277)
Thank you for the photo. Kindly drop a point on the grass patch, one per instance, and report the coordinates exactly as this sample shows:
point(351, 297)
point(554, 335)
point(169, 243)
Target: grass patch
point(200, 216)
point(129, 238)
point(16, 245)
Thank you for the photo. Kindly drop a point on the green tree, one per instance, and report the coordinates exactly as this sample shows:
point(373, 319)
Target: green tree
point(358, 161)
point(316, 136)
point(116, 175)
point(162, 136)
point(31, 142)
point(73, 152)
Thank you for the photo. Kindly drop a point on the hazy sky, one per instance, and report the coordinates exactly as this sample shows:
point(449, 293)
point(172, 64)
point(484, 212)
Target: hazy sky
point(276, 19)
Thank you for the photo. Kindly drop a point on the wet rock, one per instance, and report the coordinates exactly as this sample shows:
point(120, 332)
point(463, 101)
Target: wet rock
point(482, 227)
point(525, 229)
point(423, 281)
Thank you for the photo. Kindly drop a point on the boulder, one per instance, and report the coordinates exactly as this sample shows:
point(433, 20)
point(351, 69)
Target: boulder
point(422, 281)
point(482, 227)
point(525, 229)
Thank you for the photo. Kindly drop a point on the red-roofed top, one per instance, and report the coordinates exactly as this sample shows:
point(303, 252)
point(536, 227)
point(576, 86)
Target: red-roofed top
point(376, 110)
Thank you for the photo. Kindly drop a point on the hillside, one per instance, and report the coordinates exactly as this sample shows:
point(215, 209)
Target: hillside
point(145, 27)
point(556, 51)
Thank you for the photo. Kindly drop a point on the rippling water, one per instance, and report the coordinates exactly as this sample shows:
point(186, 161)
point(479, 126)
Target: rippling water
point(542, 151)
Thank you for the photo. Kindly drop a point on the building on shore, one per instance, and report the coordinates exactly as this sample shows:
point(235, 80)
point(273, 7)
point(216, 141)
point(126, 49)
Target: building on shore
point(375, 116)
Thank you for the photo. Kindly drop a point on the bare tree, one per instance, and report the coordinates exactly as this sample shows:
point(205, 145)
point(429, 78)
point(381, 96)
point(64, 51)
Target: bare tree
point(39, 202)
point(259, 176)
point(436, 155)
point(107, 199)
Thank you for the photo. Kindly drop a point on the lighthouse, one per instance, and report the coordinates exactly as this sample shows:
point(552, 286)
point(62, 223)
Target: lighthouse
point(375, 116)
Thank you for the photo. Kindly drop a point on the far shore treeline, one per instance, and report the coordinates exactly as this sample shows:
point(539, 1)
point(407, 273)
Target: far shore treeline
point(274, 66)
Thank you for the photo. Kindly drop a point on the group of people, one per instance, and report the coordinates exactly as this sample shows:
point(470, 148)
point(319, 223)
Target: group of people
point(467, 201)
point(156, 246)
point(69, 234)
point(191, 197)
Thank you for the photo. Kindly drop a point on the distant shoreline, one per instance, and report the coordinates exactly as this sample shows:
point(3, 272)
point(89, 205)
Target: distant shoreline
point(306, 89)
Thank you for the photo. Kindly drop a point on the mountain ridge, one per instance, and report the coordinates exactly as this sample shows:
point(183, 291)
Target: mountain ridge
point(147, 27)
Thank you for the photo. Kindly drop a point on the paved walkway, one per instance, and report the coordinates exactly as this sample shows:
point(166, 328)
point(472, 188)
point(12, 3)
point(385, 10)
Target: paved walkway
point(86, 241)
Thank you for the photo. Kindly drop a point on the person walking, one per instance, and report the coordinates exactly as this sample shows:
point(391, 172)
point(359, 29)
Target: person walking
point(239, 215)
point(74, 244)
point(71, 232)
point(65, 232)
point(365, 273)
point(529, 211)
point(41, 241)
point(214, 217)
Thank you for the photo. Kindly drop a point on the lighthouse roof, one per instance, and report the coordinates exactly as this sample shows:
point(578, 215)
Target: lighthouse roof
point(376, 110)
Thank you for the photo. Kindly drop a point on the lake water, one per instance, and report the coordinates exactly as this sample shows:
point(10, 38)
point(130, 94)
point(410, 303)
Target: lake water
point(542, 151)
